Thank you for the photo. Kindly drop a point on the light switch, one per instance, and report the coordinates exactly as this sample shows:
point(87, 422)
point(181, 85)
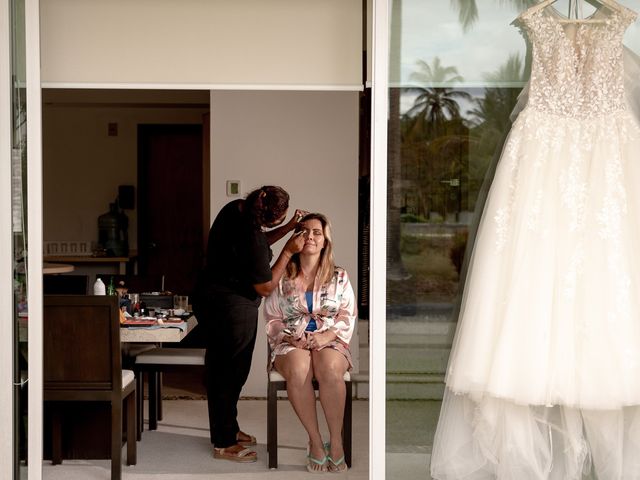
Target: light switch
point(233, 188)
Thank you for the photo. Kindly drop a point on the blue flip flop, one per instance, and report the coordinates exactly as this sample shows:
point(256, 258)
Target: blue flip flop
point(337, 466)
point(312, 462)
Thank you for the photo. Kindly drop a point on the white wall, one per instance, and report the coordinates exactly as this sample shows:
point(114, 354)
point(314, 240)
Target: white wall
point(306, 142)
point(205, 42)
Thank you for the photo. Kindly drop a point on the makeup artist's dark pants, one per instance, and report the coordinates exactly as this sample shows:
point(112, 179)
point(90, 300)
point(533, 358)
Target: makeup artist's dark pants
point(230, 324)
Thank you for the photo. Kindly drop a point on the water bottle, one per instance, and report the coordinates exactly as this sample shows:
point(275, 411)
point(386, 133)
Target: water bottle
point(99, 287)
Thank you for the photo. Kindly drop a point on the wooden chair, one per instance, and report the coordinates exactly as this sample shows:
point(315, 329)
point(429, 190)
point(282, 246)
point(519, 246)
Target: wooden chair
point(154, 362)
point(278, 383)
point(82, 364)
point(65, 284)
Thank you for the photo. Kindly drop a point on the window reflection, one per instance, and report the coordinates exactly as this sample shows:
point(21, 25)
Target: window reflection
point(19, 220)
point(456, 70)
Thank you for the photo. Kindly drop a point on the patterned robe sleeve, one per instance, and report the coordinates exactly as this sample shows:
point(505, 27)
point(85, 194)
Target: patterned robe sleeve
point(345, 320)
point(274, 317)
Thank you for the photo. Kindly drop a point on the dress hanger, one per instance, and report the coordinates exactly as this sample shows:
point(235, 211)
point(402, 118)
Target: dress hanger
point(611, 4)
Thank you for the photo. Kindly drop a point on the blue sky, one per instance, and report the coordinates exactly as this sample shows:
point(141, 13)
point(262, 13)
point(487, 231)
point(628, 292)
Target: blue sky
point(431, 28)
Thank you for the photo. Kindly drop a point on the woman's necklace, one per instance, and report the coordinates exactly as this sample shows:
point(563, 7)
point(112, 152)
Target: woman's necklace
point(308, 279)
point(310, 275)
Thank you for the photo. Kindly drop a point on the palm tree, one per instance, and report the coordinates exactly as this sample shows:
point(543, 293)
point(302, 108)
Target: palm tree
point(468, 9)
point(433, 121)
point(493, 111)
point(492, 121)
point(435, 102)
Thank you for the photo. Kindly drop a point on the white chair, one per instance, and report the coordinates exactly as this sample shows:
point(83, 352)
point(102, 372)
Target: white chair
point(154, 362)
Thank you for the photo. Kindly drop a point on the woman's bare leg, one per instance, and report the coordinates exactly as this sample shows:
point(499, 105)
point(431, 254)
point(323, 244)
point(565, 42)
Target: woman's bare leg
point(329, 367)
point(295, 367)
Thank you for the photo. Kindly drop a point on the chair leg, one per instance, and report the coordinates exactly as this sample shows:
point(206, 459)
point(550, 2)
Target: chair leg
point(347, 423)
point(116, 439)
point(131, 428)
point(139, 404)
point(56, 433)
point(272, 425)
point(153, 399)
point(159, 396)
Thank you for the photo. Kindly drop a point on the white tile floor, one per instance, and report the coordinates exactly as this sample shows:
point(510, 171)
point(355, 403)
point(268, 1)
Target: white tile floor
point(180, 448)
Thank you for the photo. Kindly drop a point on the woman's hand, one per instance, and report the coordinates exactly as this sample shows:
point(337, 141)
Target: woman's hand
point(296, 342)
point(315, 341)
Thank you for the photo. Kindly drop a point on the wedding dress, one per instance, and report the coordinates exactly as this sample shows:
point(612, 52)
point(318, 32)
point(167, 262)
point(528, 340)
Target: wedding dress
point(543, 380)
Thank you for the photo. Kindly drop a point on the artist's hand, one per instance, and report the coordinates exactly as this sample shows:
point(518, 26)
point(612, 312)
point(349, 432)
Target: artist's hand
point(295, 243)
point(298, 214)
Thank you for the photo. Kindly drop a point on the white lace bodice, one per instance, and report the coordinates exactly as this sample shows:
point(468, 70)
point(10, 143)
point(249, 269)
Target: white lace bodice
point(576, 73)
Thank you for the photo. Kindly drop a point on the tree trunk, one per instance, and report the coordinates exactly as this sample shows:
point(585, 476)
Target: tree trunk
point(395, 267)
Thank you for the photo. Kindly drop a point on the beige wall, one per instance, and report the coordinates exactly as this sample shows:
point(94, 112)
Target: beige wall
point(206, 42)
point(306, 142)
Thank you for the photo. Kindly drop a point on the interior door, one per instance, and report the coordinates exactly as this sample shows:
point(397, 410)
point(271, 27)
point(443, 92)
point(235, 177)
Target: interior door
point(171, 168)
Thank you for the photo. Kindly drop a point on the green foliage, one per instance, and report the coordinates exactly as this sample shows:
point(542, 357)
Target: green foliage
point(439, 145)
point(412, 218)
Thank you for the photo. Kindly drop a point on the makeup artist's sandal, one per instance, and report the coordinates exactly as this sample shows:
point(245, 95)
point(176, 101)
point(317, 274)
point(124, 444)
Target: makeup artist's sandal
point(337, 466)
point(241, 456)
point(245, 439)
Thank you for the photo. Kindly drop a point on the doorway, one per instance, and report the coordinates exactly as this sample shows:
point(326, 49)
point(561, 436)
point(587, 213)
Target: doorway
point(171, 166)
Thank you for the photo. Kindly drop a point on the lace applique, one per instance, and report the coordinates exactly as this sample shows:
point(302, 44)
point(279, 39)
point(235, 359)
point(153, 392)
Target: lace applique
point(574, 189)
point(580, 77)
point(539, 138)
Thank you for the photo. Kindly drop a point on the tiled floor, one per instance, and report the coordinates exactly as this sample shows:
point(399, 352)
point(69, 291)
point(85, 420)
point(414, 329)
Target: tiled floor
point(180, 448)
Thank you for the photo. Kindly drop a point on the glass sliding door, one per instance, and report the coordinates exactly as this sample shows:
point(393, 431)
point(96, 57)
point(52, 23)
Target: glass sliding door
point(456, 70)
point(16, 252)
point(19, 236)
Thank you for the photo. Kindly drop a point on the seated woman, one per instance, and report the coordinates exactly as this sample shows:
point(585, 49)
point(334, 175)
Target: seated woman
point(310, 319)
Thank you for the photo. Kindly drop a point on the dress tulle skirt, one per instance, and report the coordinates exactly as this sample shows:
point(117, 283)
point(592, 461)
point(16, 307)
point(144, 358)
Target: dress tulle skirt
point(483, 437)
point(544, 376)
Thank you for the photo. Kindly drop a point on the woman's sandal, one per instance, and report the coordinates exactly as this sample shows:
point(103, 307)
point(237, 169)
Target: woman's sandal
point(337, 466)
point(245, 439)
point(316, 466)
point(241, 456)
